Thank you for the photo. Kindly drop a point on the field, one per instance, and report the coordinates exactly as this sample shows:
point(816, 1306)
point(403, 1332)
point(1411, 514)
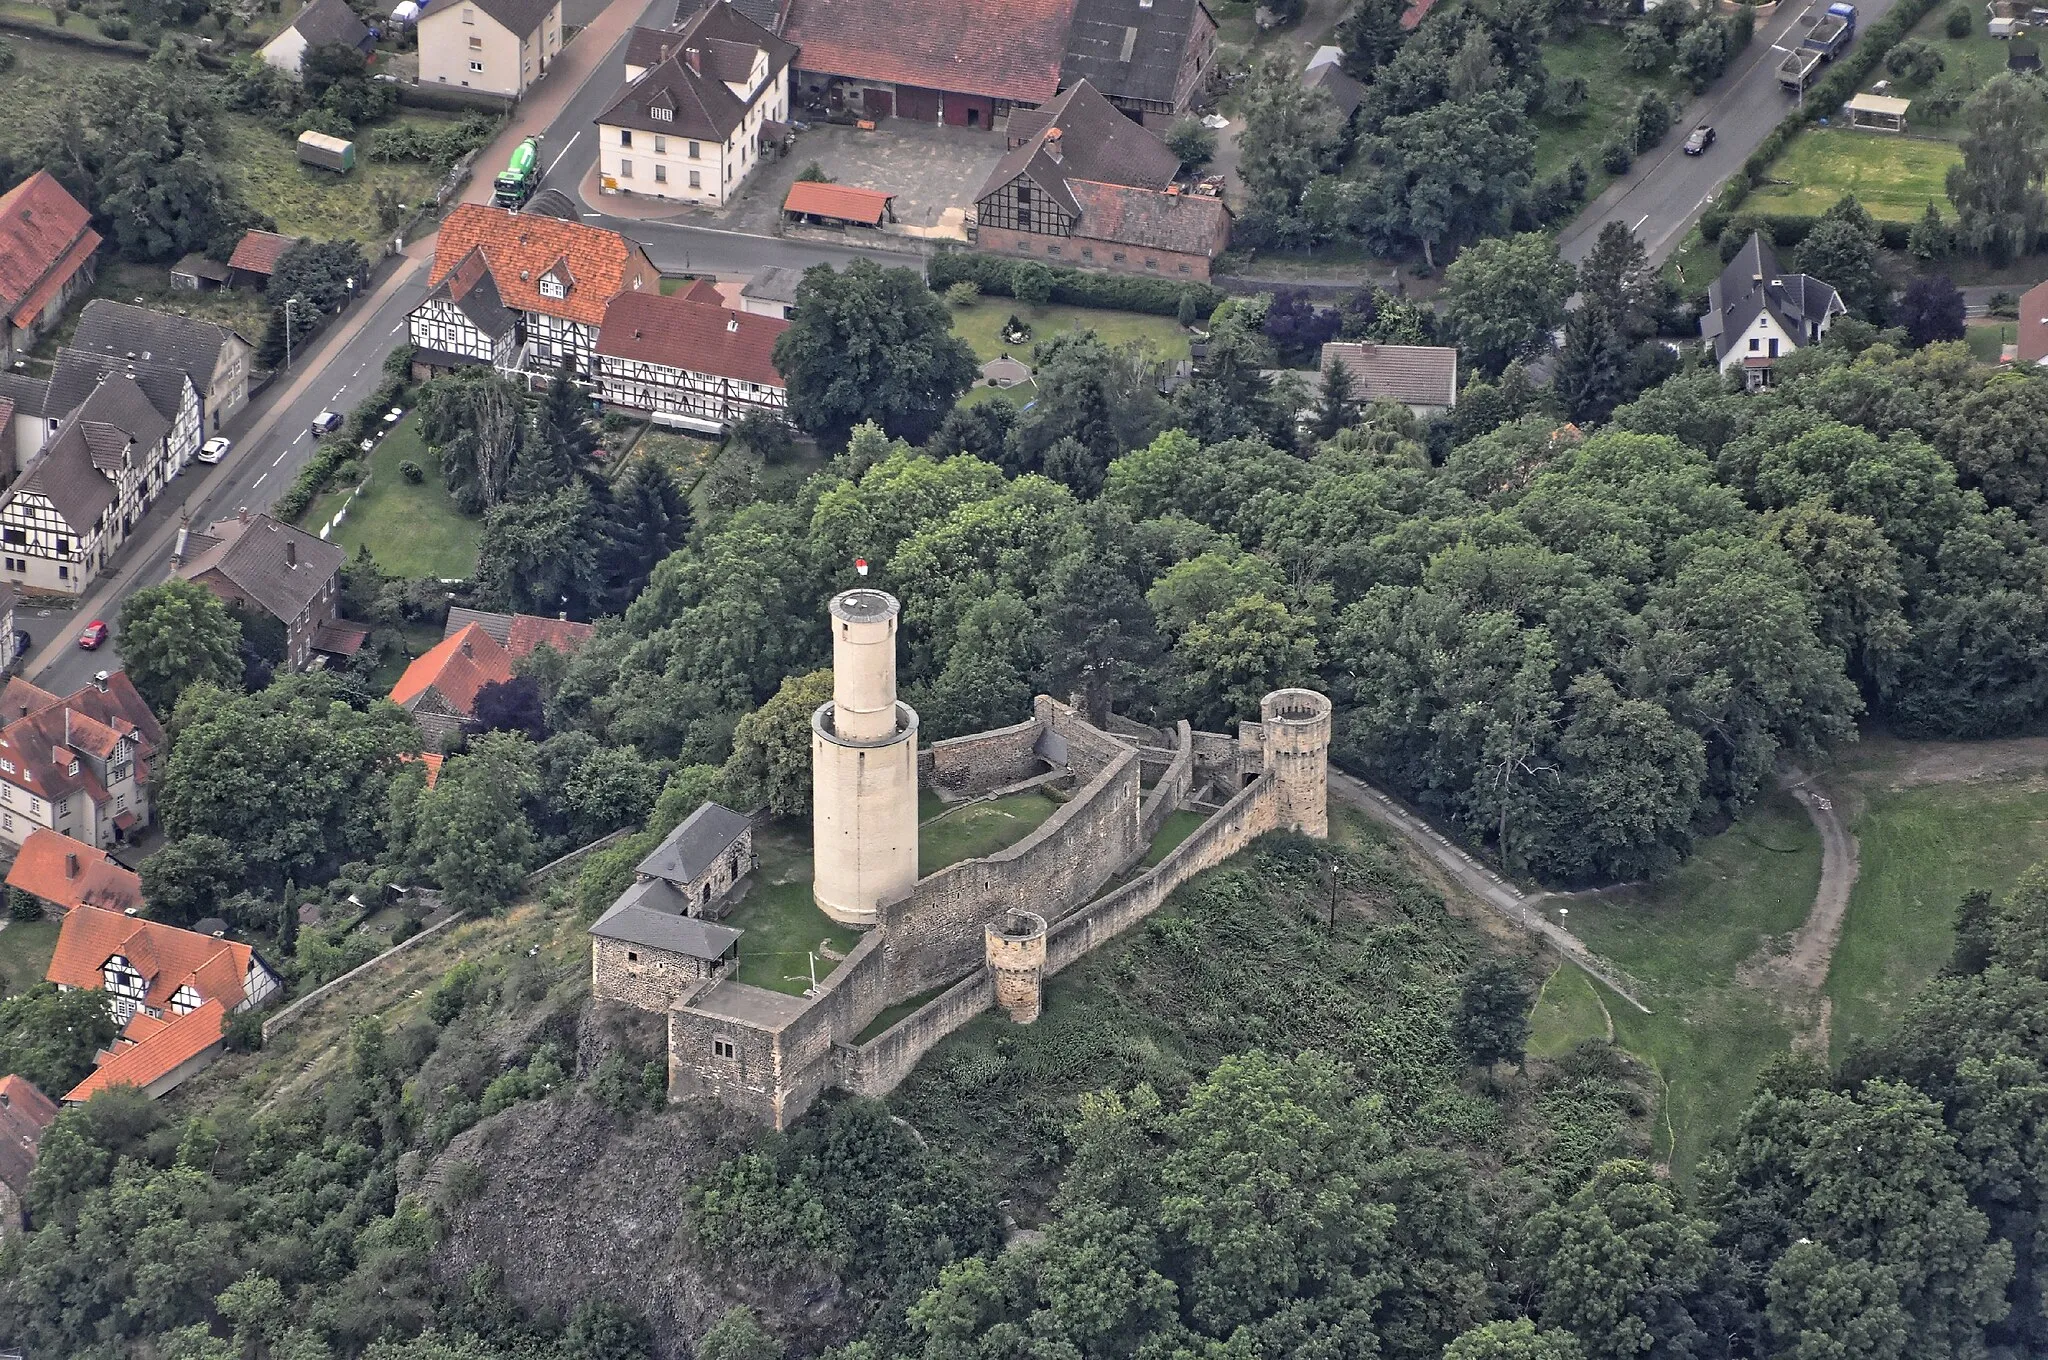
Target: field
point(976, 829)
point(1923, 845)
point(786, 932)
point(412, 530)
point(1684, 939)
point(1893, 177)
point(309, 202)
point(45, 75)
point(1612, 93)
point(25, 949)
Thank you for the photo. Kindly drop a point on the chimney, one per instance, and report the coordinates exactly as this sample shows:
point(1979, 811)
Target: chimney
point(242, 514)
point(696, 59)
point(466, 650)
point(71, 864)
point(291, 553)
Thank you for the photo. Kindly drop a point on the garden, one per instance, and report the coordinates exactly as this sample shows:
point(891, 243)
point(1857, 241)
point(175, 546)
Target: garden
point(411, 526)
point(1894, 177)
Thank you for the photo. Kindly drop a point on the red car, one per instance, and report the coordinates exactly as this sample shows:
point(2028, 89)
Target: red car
point(95, 633)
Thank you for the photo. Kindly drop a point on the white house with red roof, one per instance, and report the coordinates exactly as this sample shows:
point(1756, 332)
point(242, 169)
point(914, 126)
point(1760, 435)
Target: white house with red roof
point(46, 258)
point(79, 765)
point(688, 361)
point(171, 990)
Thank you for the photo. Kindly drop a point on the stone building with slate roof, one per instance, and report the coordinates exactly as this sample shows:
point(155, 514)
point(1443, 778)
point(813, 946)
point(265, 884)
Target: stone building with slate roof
point(1083, 185)
point(256, 564)
point(1150, 58)
point(661, 937)
point(215, 358)
point(1757, 313)
point(959, 62)
point(710, 103)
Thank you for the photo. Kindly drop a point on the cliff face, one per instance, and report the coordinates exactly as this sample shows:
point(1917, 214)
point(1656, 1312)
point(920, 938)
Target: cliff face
point(574, 1202)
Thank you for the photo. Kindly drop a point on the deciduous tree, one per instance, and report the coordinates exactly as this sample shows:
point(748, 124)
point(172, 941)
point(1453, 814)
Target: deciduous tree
point(868, 343)
point(176, 635)
point(1504, 297)
point(1997, 189)
point(771, 748)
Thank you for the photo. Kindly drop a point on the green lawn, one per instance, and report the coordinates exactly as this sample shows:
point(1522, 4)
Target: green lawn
point(976, 829)
point(891, 1014)
point(1966, 64)
point(319, 203)
point(1892, 176)
point(1988, 339)
point(784, 929)
point(1177, 827)
point(412, 530)
point(1612, 93)
point(1683, 939)
point(981, 327)
point(25, 949)
point(1922, 849)
point(1570, 1009)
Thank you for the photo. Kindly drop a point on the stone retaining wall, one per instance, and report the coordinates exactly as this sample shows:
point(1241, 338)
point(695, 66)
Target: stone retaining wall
point(967, 767)
point(876, 1067)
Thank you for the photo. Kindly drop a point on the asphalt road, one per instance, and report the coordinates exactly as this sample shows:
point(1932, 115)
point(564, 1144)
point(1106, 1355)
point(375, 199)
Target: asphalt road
point(1660, 201)
point(272, 441)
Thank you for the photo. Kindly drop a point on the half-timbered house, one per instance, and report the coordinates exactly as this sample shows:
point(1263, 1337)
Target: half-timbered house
point(79, 765)
point(463, 322)
point(688, 362)
point(554, 277)
point(176, 394)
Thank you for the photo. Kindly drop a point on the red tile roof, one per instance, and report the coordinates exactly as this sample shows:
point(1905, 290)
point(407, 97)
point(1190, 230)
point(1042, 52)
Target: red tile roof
point(166, 956)
point(601, 264)
point(1412, 16)
point(456, 667)
point(24, 1113)
point(702, 290)
point(431, 761)
point(533, 630)
point(259, 251)
point(36, 751)
point(1008, 51)
point(842, 201)
point(698, 336)
point(45, 236)
point(72, 874)
point(2033, 346)
point(165, 1050)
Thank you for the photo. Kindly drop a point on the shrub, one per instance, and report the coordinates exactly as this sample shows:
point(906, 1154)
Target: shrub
point(1653, 119)
point(244, 1032)
point(115, 26)
point(1074, 287)
point(412, 472)
point(1192, 142)
point(2004, 304)
point(963, 294)
point(813, 173)
point(1615, 157)
point(1959, 22)
point(23, 906)
point(1031, 283)
point(6, 56)
point(348, 472)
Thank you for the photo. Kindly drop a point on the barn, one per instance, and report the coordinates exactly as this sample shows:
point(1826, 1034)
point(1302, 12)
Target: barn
point(964, 63)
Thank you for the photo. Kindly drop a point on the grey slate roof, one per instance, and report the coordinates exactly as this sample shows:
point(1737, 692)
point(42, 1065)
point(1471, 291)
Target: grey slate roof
point(1130, 49)
point(1752, 283)
point(1326, 72)
point(701, 105)
point(331, 21)
point(776, 283)
point(473, 290)
point(71, 472)
point(1414, 375)
point(31, 396)
point(652, 913)
point(1096, 142)
point(725, 41)
point(118, 329)
point(518, 16)
point(78, 372)
point(252, 556)
point(695, 845)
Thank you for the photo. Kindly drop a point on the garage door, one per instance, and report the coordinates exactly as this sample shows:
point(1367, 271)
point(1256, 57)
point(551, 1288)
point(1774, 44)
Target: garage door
point(878, 103)
point(914, 103)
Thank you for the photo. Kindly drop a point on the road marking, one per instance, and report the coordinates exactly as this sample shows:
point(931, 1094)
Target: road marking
point(258, 482)
point(1639, 223)
point(399, 327)
point(558, 159)
point(338, 391)
point(280, 457)
point(300, 435)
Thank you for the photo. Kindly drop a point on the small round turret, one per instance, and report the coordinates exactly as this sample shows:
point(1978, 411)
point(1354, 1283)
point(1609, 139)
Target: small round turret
point(1297, 723)
point(1016, 955)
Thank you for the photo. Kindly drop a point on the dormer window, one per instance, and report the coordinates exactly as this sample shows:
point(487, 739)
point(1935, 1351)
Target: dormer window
point(551, 287)
point(73, 771)
point(661, 115)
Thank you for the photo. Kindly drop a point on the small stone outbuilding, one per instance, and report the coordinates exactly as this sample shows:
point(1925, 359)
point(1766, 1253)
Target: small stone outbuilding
point(655, 941)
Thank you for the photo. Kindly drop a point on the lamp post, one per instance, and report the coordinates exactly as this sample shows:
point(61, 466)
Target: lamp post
point(289, 303)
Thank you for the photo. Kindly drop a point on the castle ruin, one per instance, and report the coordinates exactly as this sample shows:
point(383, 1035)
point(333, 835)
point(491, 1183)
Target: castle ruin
point(983, 932)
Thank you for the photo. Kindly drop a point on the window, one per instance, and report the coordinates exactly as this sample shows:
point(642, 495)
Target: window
point(476, 66)
point(551, 287)
point(35, 806)
point(1755, 344)
point(63, 573)
point(662, 115)
point(660, 145)
point(1151, 262)
point(1087, 252)
point(1183, 268)
point(661, 174)
point(14, 535)
point(73, 771)
point(17, 564)
point(6, 821)
point(1118, 257)
point(625, 136)
point(63, 545)
point(476, 44)
point(1024, 246)
point(632, 956)
point(695, 149)
point(696, 180)
point(724, 1048)
point(468, 15)
point(625, 169)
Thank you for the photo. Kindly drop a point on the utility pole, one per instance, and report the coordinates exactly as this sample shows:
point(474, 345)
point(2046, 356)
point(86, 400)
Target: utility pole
point(1330, 867)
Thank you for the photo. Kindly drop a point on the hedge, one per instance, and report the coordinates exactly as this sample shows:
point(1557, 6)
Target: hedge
point(1073, 287)
point(312, 478)
point(1824, 99)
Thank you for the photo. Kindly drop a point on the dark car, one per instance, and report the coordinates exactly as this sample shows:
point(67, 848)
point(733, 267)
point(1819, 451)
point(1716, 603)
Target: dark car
point(1702, 138)
point(22, 642)
point(327, 422)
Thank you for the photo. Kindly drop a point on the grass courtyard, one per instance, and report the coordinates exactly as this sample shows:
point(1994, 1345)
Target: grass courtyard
point(1684, 938)
point(785, 931)
point(981, 326)
point(25, 950)
point(976, 829)
point(1893, 177)
point(411, 529)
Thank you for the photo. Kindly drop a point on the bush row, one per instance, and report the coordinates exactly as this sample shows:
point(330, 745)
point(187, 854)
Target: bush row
point(1845, 74)
point(1789, 229)
point(1074, 287)
point(338, 448)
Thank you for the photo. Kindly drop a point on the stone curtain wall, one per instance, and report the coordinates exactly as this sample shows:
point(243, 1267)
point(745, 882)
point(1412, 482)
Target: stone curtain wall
point(1216, 758)
point(1089, 749)
point(1176, 782)
point(933, 934)
point(651, 982)
point(967, 767)
point(1255, 811)
point(877, 1066)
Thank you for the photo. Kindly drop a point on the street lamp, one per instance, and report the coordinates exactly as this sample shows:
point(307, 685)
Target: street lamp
point(289, 303)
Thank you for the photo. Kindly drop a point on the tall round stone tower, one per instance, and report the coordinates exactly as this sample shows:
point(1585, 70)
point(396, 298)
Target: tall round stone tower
point(863, 767)
point(1297, 723)
point(1015, 948)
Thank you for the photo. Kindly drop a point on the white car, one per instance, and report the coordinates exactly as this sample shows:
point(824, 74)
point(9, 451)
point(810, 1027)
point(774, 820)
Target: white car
point(215, 449)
